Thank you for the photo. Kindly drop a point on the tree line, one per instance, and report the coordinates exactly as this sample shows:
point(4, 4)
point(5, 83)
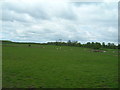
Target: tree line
point(93, 45)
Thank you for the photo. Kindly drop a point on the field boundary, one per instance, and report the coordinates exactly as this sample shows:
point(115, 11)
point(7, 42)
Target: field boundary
point(22, 46)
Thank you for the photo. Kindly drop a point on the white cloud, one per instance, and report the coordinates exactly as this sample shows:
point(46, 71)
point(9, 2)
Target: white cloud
point(41, 22)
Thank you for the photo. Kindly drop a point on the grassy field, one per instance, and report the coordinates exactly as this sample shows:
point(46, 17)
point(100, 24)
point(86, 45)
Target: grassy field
point(45, 66)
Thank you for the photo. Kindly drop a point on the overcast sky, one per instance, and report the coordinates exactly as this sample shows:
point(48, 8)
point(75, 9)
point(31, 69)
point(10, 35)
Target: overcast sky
point(35, 21)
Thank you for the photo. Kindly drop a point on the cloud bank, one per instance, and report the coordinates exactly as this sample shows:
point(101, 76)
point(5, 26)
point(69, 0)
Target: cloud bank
point(36, 21)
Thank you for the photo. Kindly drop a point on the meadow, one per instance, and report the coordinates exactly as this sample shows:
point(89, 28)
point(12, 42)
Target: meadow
point(49, 66)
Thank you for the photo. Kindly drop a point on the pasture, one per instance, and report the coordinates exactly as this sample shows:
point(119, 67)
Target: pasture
point(48, 66)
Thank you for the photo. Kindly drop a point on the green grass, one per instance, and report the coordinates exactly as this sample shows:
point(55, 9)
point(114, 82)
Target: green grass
point(69, 67)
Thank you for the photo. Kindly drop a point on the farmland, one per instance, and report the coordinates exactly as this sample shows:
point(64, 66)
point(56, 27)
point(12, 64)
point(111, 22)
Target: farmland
point(50, 66)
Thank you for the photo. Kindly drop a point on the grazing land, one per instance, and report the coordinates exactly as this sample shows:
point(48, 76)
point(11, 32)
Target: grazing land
point(49, 66)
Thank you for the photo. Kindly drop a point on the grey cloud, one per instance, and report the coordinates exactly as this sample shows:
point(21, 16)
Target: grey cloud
point(20, 8)
point(37, 10)
point(41, 22)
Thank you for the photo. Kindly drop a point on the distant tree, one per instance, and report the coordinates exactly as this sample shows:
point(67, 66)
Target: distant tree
point(79, 44)
point(69, 43)
point(97, 45)
point(56, 43)
point(103, 44)
point(118, 46)
point(88, 45)
point(111, 45)
point(74, 43)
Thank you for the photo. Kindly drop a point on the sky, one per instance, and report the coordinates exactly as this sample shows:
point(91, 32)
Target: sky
point(35, 21)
